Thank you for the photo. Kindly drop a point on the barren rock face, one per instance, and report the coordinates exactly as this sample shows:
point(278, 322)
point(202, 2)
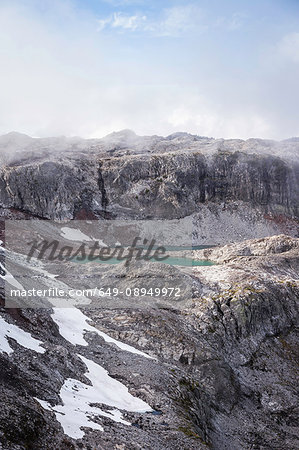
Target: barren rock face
point(259, 247)
point(176, 184)
point(220, 372)
point(253, 182)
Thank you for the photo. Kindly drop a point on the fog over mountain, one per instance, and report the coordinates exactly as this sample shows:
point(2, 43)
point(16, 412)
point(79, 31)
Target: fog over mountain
point(237, 183)
point(16, 145)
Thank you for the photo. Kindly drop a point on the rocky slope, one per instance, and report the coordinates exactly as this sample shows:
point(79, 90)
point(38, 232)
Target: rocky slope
point(222, 375)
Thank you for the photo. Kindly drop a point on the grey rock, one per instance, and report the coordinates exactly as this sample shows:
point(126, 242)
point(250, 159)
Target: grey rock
point(225, 369)
point(248, 188)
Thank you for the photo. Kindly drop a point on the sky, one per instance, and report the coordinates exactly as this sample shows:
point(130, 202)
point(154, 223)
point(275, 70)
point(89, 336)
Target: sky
point(218, 68)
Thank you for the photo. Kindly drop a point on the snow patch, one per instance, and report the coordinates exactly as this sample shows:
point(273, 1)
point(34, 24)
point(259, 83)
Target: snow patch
point(7, 277)
point(9, 330)
point(73, 325)
point(73, 234)
point(77, 397)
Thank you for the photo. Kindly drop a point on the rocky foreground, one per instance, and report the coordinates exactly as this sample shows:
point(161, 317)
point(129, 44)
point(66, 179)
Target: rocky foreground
point(219, 374)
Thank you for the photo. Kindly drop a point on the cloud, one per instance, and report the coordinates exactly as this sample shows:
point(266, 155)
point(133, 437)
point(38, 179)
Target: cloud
point(179, 20)
point(206, 120)
point(171, 22)
point(128, 22)
point(123, 21)
point(188, 19)
point(60, 76)
point(288, 47)
point(103, 23)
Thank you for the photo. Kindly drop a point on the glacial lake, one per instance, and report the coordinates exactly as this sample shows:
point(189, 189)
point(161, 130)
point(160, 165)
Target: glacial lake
point(171, 260)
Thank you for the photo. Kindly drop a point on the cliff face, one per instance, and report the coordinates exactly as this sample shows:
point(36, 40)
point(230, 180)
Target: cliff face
point(161, 181)
point(49, 189)
point(176, 184)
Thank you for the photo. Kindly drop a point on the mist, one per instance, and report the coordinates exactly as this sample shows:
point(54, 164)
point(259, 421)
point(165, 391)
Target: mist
point(193, 69)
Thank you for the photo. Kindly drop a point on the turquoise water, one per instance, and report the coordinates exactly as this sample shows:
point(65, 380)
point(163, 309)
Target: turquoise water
point(170, 261)
point(187, 262)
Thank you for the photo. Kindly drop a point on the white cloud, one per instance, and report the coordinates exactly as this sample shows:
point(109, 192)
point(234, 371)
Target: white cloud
point(60, 76)
point(179, 20)
point(288, 47)
point(203, 118)
point(172, 22)
point(123, 21)
point(128, 22)
point(102, 23)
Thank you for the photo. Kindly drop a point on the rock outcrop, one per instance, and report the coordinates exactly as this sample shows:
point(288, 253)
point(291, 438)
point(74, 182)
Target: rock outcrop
point(253, 182)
